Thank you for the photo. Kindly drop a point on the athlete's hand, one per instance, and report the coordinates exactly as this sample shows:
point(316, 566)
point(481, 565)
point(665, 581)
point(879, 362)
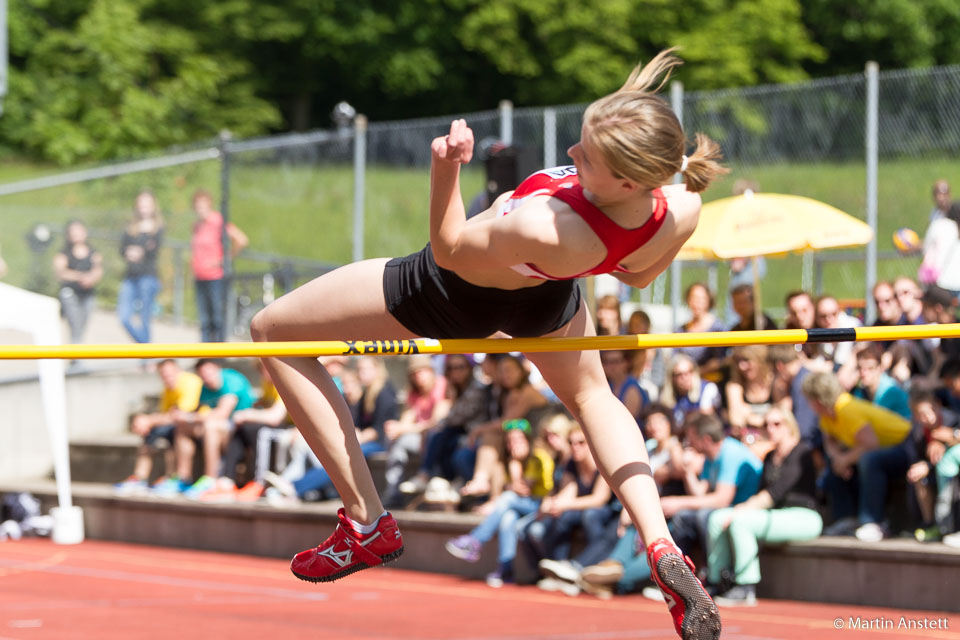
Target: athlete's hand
point(456, 146)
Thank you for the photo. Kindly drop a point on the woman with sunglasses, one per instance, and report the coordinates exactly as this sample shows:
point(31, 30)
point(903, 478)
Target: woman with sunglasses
point(784, 510)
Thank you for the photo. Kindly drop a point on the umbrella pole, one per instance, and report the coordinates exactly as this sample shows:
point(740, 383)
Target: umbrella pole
point(757, 296)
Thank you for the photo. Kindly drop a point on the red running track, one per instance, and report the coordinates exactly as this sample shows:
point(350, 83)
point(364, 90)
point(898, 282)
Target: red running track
point(107, 591)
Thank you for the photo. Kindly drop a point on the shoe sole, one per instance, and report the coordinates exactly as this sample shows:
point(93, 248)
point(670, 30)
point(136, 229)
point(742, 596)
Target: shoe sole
point(360, 566)
point(601, 575)
point(460, 555)
point(561, 574)
point(701, 619)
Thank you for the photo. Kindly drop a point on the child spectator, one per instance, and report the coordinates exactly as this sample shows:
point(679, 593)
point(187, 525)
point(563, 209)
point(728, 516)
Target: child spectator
point(646, 365)
point(181, 393)
point(224, 392)
point(530, 479)
point(79, 268)
point(139, 247)
point(207, 262)
point(867, 446)
point(784, 510)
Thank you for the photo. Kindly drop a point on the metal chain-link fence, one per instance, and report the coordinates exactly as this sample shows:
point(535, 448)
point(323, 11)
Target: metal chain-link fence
point(311, 201)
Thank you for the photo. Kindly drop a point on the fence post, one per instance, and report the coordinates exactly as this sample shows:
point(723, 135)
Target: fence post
point(506, 122)
point(359, 183)
point(230, 294)
point(178, 285)
point(676, 267)
point(549, 137)
point(873, 99)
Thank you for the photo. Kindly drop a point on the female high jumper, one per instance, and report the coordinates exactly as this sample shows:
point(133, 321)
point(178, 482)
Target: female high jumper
point(512, 271)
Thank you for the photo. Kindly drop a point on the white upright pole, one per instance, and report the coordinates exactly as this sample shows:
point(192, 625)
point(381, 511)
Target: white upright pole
point(359, 183)
point(873, 107)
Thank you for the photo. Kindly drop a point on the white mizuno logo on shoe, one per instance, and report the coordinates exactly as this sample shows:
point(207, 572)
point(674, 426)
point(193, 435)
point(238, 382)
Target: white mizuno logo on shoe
point(345, 557)
point(340, 558)
point(671, 601)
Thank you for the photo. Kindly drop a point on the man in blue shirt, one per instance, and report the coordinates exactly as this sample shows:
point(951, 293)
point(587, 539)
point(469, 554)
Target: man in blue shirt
point(730, 474)
point(877, 386)
point(224, 392)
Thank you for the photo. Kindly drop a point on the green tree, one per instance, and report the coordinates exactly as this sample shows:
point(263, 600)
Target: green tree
point(895, 33)
point(102, 79)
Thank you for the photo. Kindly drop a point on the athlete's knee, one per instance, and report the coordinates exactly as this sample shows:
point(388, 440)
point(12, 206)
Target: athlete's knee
point(261, 324)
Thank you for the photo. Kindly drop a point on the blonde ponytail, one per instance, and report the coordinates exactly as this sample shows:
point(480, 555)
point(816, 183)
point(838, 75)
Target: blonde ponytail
point(644, 76)
point(703, 165)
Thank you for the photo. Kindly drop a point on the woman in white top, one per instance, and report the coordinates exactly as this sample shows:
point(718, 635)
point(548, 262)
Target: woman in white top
point(941, 252)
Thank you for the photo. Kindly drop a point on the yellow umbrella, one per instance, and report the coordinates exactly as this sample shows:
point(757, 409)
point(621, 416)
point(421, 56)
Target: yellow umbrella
point(763, 224)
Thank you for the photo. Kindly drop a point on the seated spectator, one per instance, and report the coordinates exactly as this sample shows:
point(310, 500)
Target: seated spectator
point(685, 392)
point(730, 474)
point(530, 479)
point(646, 365)
point(866, 445)
point(940, 307)
point(945, 512)
point(875, 385)
point(583, 501)
point(909, 297)
point(268, 413)
point(470, 405)
point(831, 316)
point(609, 320)
point(949, 393)
point(749, 395)
point(889, 313)
point(700, 302)
point(789, 372)
point(935, 429)
point(745, 308)
point(427, 404)
point(784, 510)
point(224, 392)
point(664, 449)
point(517, 398)
point(181, 392)
point(801, 314)
point(624, 385)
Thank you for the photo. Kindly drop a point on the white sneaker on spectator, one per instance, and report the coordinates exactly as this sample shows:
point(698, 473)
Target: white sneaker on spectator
point(416, 484)
point(952, 540)
point(552, 584)
point(281, 484)
point(562, 569)
point(842, 527)
point(653, 593)
point(870, 532)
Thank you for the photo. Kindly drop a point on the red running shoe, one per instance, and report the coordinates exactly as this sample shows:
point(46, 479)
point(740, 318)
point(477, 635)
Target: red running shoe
point(346, 551)
point(695, 616)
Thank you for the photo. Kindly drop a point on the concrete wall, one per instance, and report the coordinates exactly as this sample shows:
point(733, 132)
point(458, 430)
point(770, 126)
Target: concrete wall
point(98, 404)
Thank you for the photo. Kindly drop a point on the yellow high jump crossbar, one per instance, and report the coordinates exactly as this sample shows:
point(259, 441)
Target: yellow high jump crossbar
point(480, 345)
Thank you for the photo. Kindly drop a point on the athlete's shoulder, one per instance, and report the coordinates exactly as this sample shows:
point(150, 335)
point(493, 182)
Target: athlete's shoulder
point(683, 207)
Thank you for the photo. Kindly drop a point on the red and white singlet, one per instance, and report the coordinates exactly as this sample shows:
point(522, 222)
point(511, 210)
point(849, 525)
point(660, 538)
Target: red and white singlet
point(562, 183)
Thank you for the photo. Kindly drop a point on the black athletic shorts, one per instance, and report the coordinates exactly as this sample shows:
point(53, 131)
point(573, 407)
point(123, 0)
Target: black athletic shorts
point(436, 303)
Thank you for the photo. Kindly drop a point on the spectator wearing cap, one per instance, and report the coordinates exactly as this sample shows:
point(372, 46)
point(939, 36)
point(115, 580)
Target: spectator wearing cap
point(426, 405)
point(867, 446)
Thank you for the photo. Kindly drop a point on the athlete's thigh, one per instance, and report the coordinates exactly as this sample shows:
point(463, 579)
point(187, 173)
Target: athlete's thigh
point(344, 304)
point(568, 373)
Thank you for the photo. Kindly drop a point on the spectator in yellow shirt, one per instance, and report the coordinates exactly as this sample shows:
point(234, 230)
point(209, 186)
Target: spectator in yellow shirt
point(867, 446)
point(181, 392)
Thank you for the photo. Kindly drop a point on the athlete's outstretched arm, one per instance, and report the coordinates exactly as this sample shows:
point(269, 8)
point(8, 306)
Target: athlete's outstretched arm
point(447, 213)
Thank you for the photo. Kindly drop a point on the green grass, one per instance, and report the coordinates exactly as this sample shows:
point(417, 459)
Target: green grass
point(306, 211)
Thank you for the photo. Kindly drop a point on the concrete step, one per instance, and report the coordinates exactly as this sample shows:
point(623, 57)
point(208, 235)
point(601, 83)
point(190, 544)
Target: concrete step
point(256, 529)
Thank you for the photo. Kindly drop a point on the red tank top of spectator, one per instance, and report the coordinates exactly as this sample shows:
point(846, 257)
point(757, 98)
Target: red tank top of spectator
point(562, 183)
